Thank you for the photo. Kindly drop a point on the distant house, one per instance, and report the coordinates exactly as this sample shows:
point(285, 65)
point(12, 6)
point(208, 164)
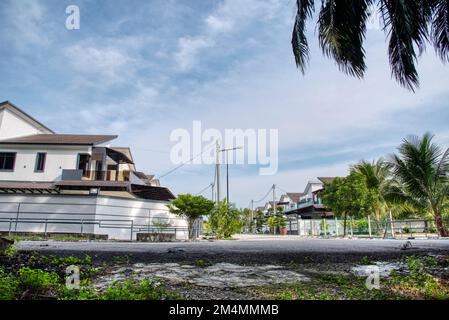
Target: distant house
point(39, 166)
point(309, 204)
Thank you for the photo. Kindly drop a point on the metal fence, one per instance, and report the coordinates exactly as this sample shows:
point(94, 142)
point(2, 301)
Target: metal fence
point(368, 227)
point(46, 217)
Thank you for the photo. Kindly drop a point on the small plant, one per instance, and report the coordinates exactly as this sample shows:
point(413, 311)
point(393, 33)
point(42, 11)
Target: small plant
point(200, 263)
point(8, 286)
point(37, 280)
point(134, 290)
point(10, 251)
point(365, 260)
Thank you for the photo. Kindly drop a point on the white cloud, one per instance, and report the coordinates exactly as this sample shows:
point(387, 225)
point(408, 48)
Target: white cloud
point(217, 24)
point(188, 48)
point(26, 19)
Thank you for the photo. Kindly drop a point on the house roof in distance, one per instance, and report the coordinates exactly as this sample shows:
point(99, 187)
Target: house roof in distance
point(67, 139)
point(294, 196)
point(326, 179)
point(15, 109)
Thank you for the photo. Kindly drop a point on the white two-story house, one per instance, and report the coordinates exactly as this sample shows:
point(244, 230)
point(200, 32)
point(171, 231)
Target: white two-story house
point(60, 176)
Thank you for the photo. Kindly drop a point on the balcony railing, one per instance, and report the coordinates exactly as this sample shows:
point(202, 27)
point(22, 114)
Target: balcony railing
point(94, 175)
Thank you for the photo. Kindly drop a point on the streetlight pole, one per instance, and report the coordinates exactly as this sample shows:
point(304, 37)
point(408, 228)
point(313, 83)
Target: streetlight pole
point(227, 170)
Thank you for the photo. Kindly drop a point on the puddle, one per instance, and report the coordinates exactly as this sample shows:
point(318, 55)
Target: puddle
point(384, 268)
point(220, 275)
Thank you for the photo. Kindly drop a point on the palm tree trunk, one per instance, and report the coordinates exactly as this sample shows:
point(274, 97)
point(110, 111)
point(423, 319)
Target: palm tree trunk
point(442, 230)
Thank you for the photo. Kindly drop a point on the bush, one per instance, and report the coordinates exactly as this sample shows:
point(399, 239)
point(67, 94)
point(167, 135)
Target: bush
point(8, 286)
point(36, 280)
point(134, 290)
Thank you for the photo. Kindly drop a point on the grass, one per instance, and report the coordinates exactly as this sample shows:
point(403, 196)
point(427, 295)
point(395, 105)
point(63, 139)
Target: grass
point(421, 280)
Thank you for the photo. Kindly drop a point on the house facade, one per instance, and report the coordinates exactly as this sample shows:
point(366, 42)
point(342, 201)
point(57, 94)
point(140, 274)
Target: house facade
point(53, 175)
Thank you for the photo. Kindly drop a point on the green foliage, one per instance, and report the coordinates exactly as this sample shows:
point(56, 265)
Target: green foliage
point(10, 251)
point(191, 207)
point(135, 290)
point(8, 286)
point(349, 196)
point(261, 220)
point(224, 221)
point(422, 169)
point(277, 221)
point(37, 280)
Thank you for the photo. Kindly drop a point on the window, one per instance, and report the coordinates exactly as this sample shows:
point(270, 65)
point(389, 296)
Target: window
point(40, 161)
point(83, 162)
point(7, 160)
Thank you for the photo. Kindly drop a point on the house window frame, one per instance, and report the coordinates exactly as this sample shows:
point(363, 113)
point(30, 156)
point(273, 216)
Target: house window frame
point(37, 162)
point(13, 163)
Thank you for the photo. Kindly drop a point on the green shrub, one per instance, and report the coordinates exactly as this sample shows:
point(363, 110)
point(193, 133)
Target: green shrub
point(8, 286)
point(37, 280)
point(134, 290)
point(10, 251)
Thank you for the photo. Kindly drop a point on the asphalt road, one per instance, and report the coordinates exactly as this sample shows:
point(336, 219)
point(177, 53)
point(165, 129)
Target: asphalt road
point(248, 249)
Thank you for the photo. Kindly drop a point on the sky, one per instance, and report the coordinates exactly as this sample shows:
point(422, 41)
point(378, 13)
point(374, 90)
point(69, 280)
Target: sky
point(141, 69)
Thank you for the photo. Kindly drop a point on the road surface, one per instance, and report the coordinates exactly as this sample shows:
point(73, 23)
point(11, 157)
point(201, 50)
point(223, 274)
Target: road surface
point(248, 249)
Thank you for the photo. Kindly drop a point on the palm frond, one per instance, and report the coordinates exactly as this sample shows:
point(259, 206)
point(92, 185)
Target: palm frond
point(342, 28)
point(406, 24)
point(300, 46)
point(440, 29)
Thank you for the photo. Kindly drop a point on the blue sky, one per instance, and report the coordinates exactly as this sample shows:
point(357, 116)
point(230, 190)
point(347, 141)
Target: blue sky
point(140, 69)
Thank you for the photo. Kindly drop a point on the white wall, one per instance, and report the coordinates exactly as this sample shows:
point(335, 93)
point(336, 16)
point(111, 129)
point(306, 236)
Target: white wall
point(11, 126)
point(107, 210)
point(57, 159)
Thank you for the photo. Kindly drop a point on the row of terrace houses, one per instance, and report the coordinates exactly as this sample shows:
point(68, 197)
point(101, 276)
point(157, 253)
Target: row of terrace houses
point(71, 183)
point(306, 204)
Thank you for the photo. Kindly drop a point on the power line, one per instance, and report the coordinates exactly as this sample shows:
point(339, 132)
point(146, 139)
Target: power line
point(268, 192)
point(184, 163)
point(202, 190)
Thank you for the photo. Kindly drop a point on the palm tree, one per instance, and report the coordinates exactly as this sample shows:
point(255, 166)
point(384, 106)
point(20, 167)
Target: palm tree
point(342, 27)
point(422, 171)
point(378, 179)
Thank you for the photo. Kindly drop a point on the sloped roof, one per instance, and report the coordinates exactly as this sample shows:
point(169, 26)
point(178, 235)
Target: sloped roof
point(15, 109)
point(294, 196)
point(68, 139)
point(326, 179)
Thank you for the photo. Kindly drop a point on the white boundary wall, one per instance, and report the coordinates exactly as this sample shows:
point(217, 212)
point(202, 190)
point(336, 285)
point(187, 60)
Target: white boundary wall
point(99, 215)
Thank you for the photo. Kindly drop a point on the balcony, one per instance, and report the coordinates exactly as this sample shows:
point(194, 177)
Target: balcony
point(93, 175)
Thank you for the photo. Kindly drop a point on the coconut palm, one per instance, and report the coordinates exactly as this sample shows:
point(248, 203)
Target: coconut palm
point(342, 26)
point(422, 172)
point(378, 179)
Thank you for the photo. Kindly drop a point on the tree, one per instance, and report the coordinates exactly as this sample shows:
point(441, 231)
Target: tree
point(349, 196)
point(261, 220)
point(378, 180)
point(342, 29)
point(422, 171)
point(191, 207)
point(277, 221)
point(225, 221)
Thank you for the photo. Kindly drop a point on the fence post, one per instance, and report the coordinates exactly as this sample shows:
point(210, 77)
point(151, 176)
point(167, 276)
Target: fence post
point(336, 227)
point(132, 230)
point(10, 225)
point(352, 229)
point(82, 226)
point(369, 226)
point(391, 225)
point(17, 217)
point(46, 224)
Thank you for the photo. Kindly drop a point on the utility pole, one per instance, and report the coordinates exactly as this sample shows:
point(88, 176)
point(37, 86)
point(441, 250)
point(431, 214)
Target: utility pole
point(217, 170)
point(212, 196)
point(227, 171)
point(274, 199)
point(252, 215)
